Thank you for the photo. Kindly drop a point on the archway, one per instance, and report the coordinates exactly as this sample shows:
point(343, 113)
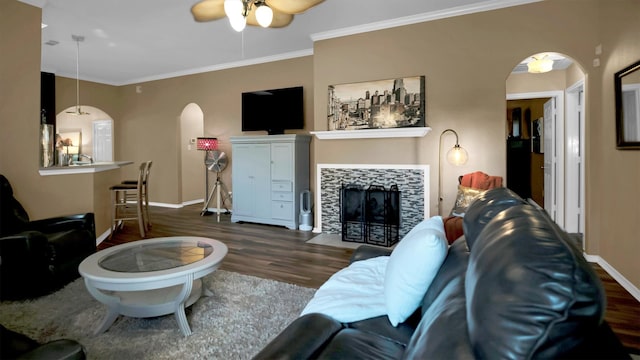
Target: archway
point(191, 161)
point(91, 132)
point(549, 141)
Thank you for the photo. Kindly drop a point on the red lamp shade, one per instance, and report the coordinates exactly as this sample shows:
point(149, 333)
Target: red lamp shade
point(205, 143)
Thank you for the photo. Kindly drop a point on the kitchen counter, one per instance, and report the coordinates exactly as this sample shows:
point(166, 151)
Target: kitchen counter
point(83, 168)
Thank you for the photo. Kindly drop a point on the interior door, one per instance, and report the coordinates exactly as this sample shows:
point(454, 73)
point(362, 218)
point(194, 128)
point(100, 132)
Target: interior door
point(550, 163)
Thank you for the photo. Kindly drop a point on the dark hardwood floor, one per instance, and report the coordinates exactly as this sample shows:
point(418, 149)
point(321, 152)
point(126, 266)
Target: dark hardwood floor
point(277, 253)
point(271, 252)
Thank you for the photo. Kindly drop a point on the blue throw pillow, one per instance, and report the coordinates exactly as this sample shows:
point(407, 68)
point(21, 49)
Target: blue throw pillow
point(412, 266)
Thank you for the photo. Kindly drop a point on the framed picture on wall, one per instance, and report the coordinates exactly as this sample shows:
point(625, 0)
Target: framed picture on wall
point(627, 96)
point(380, 104)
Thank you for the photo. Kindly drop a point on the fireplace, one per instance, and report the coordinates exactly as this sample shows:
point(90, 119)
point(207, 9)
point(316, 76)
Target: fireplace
point(370, 214)
point(412, 182)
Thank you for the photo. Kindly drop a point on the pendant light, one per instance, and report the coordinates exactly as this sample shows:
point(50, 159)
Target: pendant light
point(78, 110)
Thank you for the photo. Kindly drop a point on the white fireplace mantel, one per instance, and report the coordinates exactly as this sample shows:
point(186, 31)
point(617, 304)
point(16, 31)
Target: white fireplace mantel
point(372, 133)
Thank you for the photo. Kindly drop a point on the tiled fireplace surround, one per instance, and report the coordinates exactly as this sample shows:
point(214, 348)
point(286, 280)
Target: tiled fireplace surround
point(412, 181)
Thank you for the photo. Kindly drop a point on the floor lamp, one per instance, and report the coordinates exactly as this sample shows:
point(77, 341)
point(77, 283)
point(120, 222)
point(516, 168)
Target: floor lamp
point(206, 144)
point(456, 156)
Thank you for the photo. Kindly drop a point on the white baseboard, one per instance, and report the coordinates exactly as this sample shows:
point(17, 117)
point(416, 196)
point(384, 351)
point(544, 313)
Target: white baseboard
point(107, 232)
point(187, 203)
point(626, 284)
point(103, 236)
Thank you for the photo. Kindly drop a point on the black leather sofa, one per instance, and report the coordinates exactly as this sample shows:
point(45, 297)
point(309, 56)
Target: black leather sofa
point(38, 257)
point(513, 287)
point(14, 345)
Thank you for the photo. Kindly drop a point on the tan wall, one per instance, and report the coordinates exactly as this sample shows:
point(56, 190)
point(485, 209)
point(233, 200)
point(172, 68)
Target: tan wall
point(466, 61)
point(19, 119)
point(613, 205)
point(102, 96)
point(156, 113)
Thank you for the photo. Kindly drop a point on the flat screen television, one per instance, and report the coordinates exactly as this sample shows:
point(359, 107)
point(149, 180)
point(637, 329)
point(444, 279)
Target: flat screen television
point(273, 111)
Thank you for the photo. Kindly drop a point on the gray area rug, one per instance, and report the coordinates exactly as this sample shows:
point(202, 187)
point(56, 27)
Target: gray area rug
point(242, 316)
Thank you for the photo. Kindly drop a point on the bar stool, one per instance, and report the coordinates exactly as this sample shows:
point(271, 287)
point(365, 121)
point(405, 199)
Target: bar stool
point(122, 197)
point(145, 192)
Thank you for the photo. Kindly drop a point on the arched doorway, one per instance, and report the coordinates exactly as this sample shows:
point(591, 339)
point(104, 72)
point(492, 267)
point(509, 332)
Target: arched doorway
point(191, 160)
point(91, 132)
point(547, 144)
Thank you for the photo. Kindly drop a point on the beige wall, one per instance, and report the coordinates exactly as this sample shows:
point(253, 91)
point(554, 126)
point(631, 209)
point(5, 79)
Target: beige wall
point(156, 113)
point(19, 114)
point(466, 61)
point(613, 208)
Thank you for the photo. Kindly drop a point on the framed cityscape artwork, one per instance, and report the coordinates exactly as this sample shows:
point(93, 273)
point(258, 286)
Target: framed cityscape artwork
point(381, 104)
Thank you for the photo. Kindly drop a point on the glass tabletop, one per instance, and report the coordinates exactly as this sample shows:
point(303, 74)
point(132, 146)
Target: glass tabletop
point(156, 256)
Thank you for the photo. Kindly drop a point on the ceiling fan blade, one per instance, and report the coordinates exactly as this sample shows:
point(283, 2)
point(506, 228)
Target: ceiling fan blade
point(207, 10)
point(292, 6)
point(280, 19)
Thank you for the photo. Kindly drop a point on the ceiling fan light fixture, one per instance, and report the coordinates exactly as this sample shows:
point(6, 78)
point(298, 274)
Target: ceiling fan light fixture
point(264, 14)
point(540, 64)
point(233, 8)
point(238, 23)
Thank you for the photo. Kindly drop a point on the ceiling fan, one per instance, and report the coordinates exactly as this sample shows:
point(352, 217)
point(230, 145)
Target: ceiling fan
point(265, 13)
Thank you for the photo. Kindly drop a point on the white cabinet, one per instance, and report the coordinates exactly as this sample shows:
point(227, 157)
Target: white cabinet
point(250, 172)
point(268, 174)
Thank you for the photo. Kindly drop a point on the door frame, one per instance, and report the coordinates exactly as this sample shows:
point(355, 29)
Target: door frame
point(576, 127)
point(558, 142)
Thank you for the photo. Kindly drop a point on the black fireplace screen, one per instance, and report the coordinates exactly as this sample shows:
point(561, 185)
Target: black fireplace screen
point(371, 215)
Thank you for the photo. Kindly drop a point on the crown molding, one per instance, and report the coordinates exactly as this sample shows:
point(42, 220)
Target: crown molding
point(230, 65)
point(419, 18)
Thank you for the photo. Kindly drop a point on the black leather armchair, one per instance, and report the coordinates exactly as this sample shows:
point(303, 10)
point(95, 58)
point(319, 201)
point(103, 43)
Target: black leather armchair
point(14, 345)
point(38, 257)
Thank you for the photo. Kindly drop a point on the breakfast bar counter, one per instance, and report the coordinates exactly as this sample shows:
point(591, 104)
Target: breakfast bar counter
point(84, 168)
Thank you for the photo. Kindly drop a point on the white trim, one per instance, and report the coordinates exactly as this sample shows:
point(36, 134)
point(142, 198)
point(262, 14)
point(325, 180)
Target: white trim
point(319, 167)
point(191, 202)
point(103, 236)
point(419, 18)
point(572, 124)
point(372, 133)
point(229, 65)
point(535, 95)
point(172, 206)
point(626, 284)
point(38, 3)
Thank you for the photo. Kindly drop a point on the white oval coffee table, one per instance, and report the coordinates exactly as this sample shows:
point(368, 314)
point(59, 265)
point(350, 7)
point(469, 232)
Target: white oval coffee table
point(151, 277)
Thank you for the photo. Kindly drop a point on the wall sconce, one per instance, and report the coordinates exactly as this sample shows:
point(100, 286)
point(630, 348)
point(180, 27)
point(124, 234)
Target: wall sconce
point(456, 156)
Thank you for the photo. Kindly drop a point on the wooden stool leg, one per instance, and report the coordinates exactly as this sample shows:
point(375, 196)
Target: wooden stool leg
point(114, 197)
point(146, 206)
point(139, 207)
